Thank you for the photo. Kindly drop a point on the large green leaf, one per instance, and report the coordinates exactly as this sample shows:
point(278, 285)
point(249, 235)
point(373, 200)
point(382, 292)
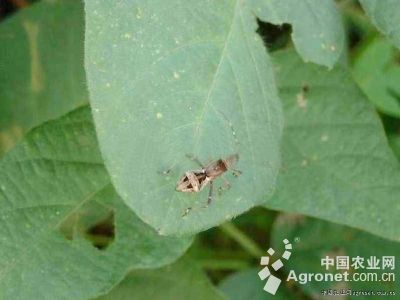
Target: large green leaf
point(336, 161)
point(179, 281)
point(187, 77)
point(378, 74)
point(385, 14)
point(53, 174)
point(245, 285)
point(41, 63)
point(318, 33)
point(318, 239)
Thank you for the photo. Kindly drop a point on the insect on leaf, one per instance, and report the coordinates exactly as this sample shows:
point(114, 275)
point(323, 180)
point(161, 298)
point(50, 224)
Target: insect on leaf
point(190, 77)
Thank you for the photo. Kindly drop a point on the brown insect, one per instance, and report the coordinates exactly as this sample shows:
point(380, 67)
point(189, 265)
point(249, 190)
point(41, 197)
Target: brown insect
point(194, 181)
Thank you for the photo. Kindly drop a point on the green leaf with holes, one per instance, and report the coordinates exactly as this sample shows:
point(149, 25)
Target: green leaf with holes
point(318, 33)
point(336, 163)
point(164, 84)
point(385, 14)
point(47, 184)
point(377, 72)
point(42, 75)
point(314, 240)
point(179, 281)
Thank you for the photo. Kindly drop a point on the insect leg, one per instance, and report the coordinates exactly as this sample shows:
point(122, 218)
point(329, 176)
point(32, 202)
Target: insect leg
point(210, 193)
point(167, 171)
point(225, 186)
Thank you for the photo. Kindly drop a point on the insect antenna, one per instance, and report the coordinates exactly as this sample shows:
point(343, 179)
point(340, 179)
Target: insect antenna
point(195, 159)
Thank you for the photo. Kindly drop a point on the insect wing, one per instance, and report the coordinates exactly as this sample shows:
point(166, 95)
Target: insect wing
point(192, 181)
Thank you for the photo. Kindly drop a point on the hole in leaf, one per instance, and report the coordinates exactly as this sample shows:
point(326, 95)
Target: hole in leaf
point(275, 37)
point(354, 18)
point(101, 235)
point(93, 222)
point(305, 88)
point(355, 34)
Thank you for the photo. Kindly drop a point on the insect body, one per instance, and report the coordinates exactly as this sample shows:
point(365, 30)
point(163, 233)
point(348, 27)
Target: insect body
point(194, 181)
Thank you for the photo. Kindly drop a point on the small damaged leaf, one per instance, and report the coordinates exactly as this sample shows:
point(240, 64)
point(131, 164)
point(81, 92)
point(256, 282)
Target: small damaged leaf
point(318, 32)
point(48, 184)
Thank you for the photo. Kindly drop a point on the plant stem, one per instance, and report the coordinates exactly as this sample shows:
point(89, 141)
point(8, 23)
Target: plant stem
point(223, 264)
point(242, 239)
